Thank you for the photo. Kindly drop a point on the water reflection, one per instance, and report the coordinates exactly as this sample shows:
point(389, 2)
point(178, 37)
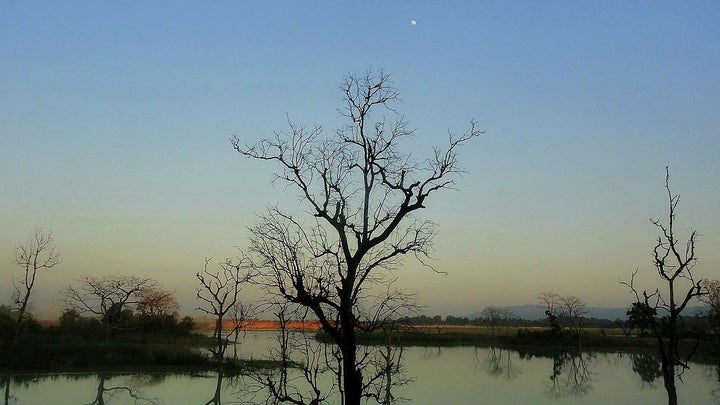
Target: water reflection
point(104, 393)
point(5, 382)
point(458, 375)
point(571, 374)
point(647, 366)
point(572, 371)
point(498, 362)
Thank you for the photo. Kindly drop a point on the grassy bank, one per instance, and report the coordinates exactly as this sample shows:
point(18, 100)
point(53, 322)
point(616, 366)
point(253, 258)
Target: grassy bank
point(131, 353)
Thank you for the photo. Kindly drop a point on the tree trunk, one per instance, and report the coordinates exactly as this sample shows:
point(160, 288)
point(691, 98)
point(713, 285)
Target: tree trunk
point(21, 316)
point(352, 378)
point(669, 380)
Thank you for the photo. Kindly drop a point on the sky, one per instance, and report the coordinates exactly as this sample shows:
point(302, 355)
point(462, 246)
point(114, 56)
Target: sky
point(115, 120)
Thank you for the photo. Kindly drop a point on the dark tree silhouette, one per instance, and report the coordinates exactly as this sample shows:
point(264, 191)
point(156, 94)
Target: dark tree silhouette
point(712, 287)
point(674, 264)
point(107, 296)
point(362, 190)
point(219, 295)
point(563, 311)
point(37, 254)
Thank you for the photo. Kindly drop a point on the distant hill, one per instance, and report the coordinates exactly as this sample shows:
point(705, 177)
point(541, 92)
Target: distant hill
point(534, 312)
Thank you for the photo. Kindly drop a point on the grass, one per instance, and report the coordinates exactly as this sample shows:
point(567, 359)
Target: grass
point(129, 353)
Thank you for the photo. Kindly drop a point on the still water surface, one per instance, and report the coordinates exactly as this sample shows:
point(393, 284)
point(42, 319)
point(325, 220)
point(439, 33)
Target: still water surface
point(449, 375)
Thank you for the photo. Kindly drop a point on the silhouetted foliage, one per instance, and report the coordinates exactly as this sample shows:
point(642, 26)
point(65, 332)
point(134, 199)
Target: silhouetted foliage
point(641, 316)
point(647, 366)
point(109, 297)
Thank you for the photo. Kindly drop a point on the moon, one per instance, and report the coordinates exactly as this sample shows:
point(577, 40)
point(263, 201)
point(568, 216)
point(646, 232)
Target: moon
point(413, 22)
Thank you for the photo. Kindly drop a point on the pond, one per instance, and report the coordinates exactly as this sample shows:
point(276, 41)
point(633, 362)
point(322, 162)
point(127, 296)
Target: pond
point(447, 375)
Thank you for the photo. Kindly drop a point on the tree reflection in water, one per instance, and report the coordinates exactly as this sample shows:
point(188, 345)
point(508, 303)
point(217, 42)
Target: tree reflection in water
point(571, 374)
point(647, 366)
point(5, 382)
point(107, 393)
point(716, 391)
point(498, 362)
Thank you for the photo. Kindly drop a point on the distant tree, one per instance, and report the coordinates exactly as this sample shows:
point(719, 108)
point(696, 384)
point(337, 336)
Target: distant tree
point(496, 317)
point(37, 254)
point(158, 309)
point(573, 310)
point(674, 265)
point(456, 320)
point(219, 295)
point(551, 301)
point(107, 297)
point(712, 288)
point(563, 311)
point(363, 192)
point(156, 302)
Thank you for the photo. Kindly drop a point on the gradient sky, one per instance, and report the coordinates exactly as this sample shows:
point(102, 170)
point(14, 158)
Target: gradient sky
point(115, 122)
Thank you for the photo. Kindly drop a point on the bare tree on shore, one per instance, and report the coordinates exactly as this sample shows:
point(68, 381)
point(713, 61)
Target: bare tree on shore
point(363, 192)
point(219, 296)
point(36, 254)
point(674, 263)
point(107, 296)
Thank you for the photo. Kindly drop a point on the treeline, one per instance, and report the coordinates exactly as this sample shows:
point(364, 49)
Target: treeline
point(701, 322)
point(81, 342)
point(71, 326)
point(515, 321)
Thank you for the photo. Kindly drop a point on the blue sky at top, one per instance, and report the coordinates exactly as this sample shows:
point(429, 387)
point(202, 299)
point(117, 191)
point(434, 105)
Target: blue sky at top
point(115, 120)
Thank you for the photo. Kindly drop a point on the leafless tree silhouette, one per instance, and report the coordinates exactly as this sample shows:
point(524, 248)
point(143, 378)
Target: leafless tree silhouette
point(219, 295)
point(674, 264)
point(107, 296)
point(37, 254)
point(362, 190)
point(104, 393)
point(564, 311)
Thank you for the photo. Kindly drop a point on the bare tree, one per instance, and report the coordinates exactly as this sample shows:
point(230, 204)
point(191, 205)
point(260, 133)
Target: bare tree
point(572, 310)
point(674, 264)
point(107, 296)
point(551, 301)
point(37, 254)
point(219, 294)
point(362, 190)
point(564, 311)
point(496, 317)
point(104, 393)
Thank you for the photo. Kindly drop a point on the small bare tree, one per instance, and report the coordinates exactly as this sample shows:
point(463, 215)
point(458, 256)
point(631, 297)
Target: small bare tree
point(37, 254)
point(107, 296)
point(551, 301)
point(674, 264)
point(219, 295)
point(564, 311)
point(492, 315)
point(573, 310)
point(363, 192)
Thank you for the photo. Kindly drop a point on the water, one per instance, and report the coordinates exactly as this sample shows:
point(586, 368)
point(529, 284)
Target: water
point(451, 375)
